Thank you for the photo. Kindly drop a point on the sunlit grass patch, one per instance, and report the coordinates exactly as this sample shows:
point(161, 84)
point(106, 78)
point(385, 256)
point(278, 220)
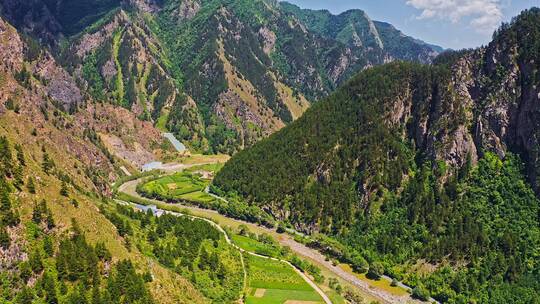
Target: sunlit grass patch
point(379, 284)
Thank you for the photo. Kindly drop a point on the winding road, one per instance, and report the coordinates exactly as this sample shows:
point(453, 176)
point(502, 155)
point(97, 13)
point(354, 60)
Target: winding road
point(241, 250)
point(380, 295)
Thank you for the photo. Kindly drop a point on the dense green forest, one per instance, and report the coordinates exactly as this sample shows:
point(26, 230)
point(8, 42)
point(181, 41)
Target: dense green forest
point(370, 166)
point(290, 166)
point(191, 247)
point(483, 232)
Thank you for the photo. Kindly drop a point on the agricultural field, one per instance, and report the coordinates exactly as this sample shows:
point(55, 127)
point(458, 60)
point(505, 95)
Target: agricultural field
point(195, 158)
point(274, 282)
point(252, 245)
point(181, 186)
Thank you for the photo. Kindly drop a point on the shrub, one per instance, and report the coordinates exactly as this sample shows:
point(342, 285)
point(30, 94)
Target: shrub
point(376, 270)
point(421, 293)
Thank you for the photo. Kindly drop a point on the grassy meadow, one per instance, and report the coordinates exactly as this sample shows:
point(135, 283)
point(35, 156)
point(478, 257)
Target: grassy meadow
point(249, 244)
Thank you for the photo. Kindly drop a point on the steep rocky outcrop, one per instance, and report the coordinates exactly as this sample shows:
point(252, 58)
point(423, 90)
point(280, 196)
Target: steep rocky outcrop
point(122, 62)
point(44, 109)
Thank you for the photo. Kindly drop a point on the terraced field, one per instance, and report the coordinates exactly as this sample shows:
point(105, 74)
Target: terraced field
point(274, 282)
point(181, 186)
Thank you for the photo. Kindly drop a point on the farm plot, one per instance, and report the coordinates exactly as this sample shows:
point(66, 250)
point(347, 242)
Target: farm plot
point(274, 282)
point(181, 185)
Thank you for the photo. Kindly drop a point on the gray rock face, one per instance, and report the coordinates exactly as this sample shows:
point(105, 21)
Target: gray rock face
point(188, 9)
point(147, 6)
point(494, 106)
point(59, 85)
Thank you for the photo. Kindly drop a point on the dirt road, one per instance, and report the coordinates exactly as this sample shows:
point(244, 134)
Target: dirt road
point(228, 240)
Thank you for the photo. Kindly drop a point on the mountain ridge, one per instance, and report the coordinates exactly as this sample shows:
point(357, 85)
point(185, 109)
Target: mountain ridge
point(229, 105)
point(410, 164)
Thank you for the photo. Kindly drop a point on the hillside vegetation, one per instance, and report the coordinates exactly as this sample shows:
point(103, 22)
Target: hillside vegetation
point(56, 245)
point(418, 167)
point(219, 74)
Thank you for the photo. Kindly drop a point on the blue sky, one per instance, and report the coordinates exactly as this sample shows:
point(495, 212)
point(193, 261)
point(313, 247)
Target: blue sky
point(449, 23)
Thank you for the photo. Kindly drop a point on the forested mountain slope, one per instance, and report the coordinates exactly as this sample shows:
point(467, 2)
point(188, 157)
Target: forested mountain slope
point(232, 71)
point(56, 243)
point(409, 162)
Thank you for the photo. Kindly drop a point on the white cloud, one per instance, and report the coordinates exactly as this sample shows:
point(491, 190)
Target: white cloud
point(484, 15)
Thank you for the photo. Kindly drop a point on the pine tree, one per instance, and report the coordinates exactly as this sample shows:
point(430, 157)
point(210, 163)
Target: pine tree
point(47, 163)
point(8, 217)
point(6, 162)
point(20, 155)
point(64, 190)
point(49, 288)
point(102, 252)
point(10, 104)
point(75, 203)
point(5, 241)
point(77, 296)
point(36, 215)
point(35, 261)
point(25, 296)
point(25, 271)
point(30, 185)
point(5, 201)
point(18, 176)
point(50, 220)
point(61, 266)
point(48, 246)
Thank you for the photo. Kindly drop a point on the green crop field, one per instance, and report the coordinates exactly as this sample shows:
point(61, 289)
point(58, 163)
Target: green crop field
point(181, 185)
point(197, 196)
point(274, 282)
point(252, 245)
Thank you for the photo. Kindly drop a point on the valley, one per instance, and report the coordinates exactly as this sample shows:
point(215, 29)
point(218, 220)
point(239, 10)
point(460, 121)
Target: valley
point(260, 152)
point(370, 289)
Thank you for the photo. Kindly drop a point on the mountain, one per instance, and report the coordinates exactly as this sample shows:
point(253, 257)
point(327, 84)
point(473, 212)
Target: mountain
point(419, 167)
point(376, 41)
point(56, 169)
point(234, 71)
